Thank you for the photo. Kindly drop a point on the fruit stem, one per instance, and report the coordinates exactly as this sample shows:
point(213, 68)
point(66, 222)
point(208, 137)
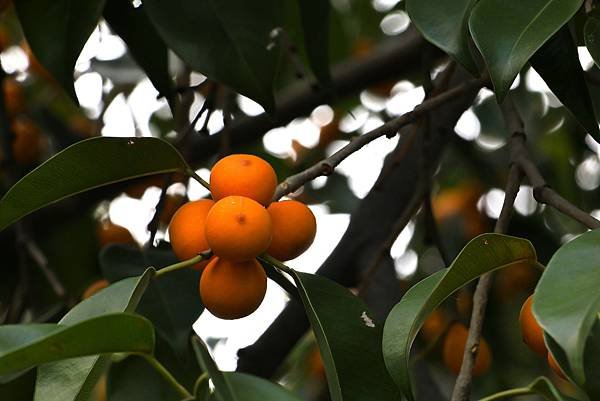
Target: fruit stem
point(184, 264)
point(167, 376)
point(275, 263)
point(201, 379)
point(509, 393)
point(196, 177)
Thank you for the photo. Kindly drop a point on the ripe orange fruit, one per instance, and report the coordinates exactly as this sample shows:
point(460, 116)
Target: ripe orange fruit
point(14, 98)
point(29, 143)
point(243, 175)
point(95, 287)
point(531, 331)
point(454, 347)
point(232, 290)
point(110, 233)
point(238, 228)
point(434, 325)
point(187, 230)
point(294, 229)
point(514, 280)
point(554, 366)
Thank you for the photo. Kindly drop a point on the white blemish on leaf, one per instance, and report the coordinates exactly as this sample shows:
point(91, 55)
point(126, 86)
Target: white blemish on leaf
point(368, 321)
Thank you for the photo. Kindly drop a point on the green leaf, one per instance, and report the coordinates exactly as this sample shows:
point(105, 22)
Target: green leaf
point(540, 385)
point(482, 254)
point(557, 62)
point(52, 382)
point(226, 40)
point(315, 16)
point(56, 31)
point(145, 45)
point(568, 319)
point(85, 165)
point(445, 24)
point(23, 346)
point(202, 389)
point(223, 387)
point(348, 338)
point(508, 33)
point(172, 302)
point(257, 389)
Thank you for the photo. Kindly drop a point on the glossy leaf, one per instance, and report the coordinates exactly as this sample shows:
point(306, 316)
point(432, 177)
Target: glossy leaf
point(574, 270)
point(483, 254)
point(508, 33)
point(172, 302)
point(145, 45)
point(541, 386)
point(315, 18)
point(228, 41)
point(85, 165)
point(202, 389)
point(591, 35)
point(52, 382)
point(223, 387)
point(348, 338)
point(257, 389)
point(56, 31)
point(23, 346)
point(557, 62)
point(445, 24)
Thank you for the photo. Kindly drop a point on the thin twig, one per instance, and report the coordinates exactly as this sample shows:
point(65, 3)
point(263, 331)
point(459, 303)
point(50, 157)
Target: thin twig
point(160, 205)
point(326, 166)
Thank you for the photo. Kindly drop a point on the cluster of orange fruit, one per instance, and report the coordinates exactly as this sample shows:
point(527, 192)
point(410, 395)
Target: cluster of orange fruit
point(533, 336)
point(237, 225)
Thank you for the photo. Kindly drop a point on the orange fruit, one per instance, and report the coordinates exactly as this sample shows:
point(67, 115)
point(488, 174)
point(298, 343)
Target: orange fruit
point(82, 125)
point(243, 175)
point(294, 229)
point(95, 287)
point(110, 233)
point(434, 325)
point(514, 280)
point(232, 290)
point(454, 348)
point(554, 366)
point(464, 302)
point(531, 331)
point(14, 98)
point(187, 230)
point(315, 365)
point(238, 228)
point(29, 143)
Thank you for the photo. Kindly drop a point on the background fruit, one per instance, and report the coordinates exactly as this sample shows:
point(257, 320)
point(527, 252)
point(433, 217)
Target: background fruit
point(95, 287)
point(29, 143)
point(244, 175)
point(14, 98)
point(434, 325)
point(294, 229)
point(171, 204)
point(554, 366)
point(232, 290)
point(531, 331)
point(110, 233)
point(238, 228)
point(187, 230)
point(454, 347)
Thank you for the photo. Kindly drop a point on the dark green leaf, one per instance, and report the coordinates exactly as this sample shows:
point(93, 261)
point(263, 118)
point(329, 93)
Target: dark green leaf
point(56, 31)
point(508, 33)
point(23, 346)
point(223, 387)
point(574, 270)
point(557, 61)
point(445, 24)
point(19, 389)
point(202, 389)
point(315, 15)
point(347, 338)
point(483, 254)
point(52, 382)
point(144, 43)
point(171, 302)
point(85, 165)
point(226, 40)
point(591, 32)
point(252, 388)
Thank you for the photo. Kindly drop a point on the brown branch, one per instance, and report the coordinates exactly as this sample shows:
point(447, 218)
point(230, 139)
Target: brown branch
point(326, 166)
